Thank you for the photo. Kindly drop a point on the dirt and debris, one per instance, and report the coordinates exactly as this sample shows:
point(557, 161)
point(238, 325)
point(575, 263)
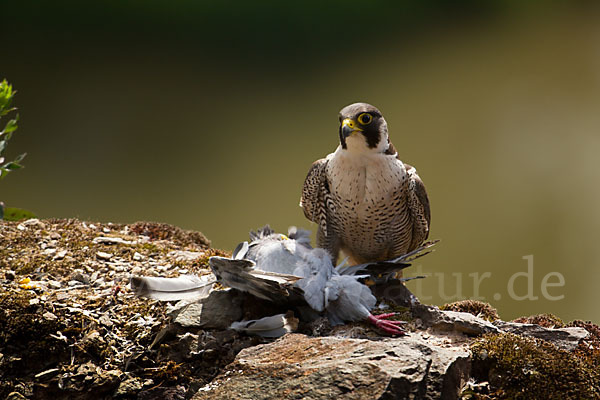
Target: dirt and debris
point(69, 326)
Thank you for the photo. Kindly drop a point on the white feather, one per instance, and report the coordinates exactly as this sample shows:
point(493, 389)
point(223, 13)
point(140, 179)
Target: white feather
point(273, 326)
point(171, 289)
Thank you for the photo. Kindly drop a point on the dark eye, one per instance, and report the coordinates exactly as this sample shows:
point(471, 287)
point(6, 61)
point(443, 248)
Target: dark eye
point(365, 118)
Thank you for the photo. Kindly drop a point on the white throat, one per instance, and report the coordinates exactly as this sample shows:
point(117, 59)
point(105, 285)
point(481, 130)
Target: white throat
point(356, 143)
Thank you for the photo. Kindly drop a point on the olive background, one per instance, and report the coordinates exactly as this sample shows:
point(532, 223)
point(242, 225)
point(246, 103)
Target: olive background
point(207, 115)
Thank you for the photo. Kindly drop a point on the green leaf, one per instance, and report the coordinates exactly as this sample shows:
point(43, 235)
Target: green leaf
point(17, 214)
point(11, 126)
point(6, 95)
point(11, 166)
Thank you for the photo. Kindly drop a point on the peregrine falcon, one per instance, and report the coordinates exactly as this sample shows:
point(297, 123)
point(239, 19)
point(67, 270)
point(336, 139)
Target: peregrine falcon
point(365, 200)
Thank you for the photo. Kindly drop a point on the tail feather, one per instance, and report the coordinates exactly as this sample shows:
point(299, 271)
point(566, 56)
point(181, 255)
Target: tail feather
point(261, 233)
point(384, 269)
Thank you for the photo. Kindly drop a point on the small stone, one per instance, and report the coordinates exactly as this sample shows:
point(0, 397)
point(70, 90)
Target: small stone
point(52, 284)
point(34, 302)
point(49, 252)
point(105, 230)
point(55, 235)
point(129, 386)
point(31, 223)
point(103, 256)
point(49, 316)
point(184, 255)
point(148, 382)
point(60, 255)
point(111, 240)
point(105, 320)
point(137, 256)
point(80, 276)
point(62, 296)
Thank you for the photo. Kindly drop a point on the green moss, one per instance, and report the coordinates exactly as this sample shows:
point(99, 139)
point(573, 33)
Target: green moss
point(589, 348)
point(475, 307)
point(545, 320)
point(527, 368)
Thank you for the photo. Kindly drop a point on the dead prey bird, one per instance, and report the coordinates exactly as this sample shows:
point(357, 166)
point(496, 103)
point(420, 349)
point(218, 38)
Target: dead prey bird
point(286, 270)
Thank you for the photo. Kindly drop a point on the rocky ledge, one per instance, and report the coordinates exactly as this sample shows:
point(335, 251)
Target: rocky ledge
point(71, 329)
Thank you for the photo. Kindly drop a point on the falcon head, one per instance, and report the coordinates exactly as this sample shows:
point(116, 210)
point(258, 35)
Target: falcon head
point(363, 129)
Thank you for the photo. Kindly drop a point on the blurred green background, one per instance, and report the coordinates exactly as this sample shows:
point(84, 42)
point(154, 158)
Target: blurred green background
point(207, 115)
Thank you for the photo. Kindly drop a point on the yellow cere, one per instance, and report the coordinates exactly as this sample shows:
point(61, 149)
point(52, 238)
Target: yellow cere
point(351, 124)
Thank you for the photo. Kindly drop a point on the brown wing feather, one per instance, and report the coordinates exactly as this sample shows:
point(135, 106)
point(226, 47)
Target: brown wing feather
point(317, 206)
point(309, 201)
point(418, 188)
point(419, 207)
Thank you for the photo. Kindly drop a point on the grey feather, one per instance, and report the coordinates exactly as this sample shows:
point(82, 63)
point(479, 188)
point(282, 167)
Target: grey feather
point(240, 251)
point(353, 301)
point(171, 289)
point(342, 298)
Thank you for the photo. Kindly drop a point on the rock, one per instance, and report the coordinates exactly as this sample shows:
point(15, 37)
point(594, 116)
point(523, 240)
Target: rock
point(433, 317)
point(129, 386)
point(184, 255)
point(52, 284)
point(396, 292)
point(217, 311)
point(564, 338)
point(111, 240)
point(10, 275)
point(31, 223)
point(163, 393)
point(103, 256)
point(49, 316)
point(59, 255)
point(298, 366)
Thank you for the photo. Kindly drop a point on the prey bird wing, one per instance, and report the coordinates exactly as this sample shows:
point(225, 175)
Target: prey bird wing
point(172, 289)
point(242, 275)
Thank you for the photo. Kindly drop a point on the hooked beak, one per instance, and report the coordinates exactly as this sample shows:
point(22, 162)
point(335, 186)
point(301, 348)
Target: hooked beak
point(348, 127)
